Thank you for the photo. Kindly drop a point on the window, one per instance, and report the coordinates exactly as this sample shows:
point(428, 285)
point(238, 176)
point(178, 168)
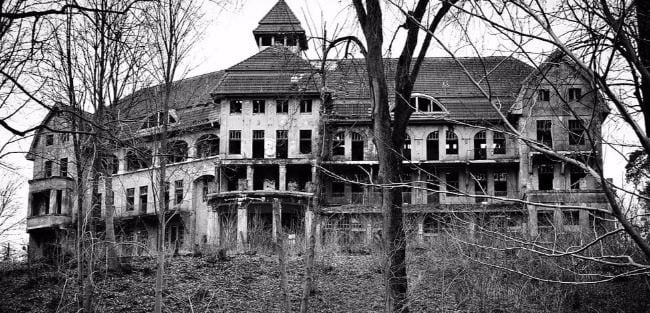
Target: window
point(207, 146)
point(406, 150)
point(291, 41)
point(110, 164)
point(266, 40)
point(575, 94)
point(501, 184)
point(305, 106)
point(571, 218)
point(480, 185)
point(451, 145)
point(258, 144)
point(259, 106)
point(234, 142)
point(177, 151)
point(130, 199)
point(178, 192)
point(235, 106)
point(59, 201)
point(433, 146)
point(282, 106)
point(576, 132)
point(65, 137)
point(543, 95)
point(175, 233)
point(544, 219)
point(63, 167)
point(49, 140)
point(499, 143)
point(281, 144)
point(480, 145)
point(338, 189)
point(452, 183)
point(156, 119)
point(433, 190)
point(544, 132)
point(166, 195)
point(48, 169)
point(40, 202)
point(338, 144)
point(424, 104)
point(137, 159)
point(205, 188)
point(357, 146)
point(545, 176)
point(577, 175)
point(305, 141)
point(144, 199)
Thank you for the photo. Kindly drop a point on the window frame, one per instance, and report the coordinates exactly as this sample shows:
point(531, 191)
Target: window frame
point(63, 167)
point(305, 142)
point(306, 106)
point(130, 199)
point(259, 106)
point(236, 106)
point(234, 142)
point(282, 106)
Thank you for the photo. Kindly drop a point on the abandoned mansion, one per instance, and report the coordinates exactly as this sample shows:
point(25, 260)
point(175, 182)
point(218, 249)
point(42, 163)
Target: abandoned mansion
point(243, 142)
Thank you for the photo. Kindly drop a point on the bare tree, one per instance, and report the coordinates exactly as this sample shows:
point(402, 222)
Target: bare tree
point(9, 205)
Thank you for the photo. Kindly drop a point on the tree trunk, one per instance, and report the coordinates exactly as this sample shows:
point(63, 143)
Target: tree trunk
point(282, 257)
point(643, 47)
point(111, 249)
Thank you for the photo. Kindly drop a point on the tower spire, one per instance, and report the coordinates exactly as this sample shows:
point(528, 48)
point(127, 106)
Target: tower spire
point(280, 26)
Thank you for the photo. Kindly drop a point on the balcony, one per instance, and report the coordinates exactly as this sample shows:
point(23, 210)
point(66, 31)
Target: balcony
point(488, 154)
point(567, 196)
point(47, 221)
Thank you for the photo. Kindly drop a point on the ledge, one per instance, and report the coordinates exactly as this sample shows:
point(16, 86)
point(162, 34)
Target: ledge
point(47, 221)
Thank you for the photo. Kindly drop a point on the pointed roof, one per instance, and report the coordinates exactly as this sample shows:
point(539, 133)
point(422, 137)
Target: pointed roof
point(280, 19)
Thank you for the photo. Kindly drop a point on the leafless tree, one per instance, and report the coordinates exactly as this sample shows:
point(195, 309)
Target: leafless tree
point(9, 205)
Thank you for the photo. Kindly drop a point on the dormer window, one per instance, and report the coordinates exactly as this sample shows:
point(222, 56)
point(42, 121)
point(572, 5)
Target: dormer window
point(575, 94)
point(156, 119)
point(426, 104)
point(543, 95)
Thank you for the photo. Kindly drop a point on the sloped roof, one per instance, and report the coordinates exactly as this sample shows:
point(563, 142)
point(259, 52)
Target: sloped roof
point(441, 78)
point(280, 19)
point(274, 70)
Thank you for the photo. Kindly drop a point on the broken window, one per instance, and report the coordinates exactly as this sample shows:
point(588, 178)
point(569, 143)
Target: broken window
point(424, 104)
point(137, 159)
point(543, 95)
point(48, 169)
point(41, 202)
point(571, 217)
point(544, 132)
point(282, 144)
point(259, 106)
point(234, 142)
point(480, 146)
point(178, 192)
point(305, 141)
point(130, 199)
point(357, 146)
point(258, 144)
point(305, 106)
point(282, 106)
point(452, 183)
point(338, 144)
point(207, 146)
point(59, 201)
point(338, 189)
point(49, 140)
point(575, 94)
point(545, 176)
point(577, 175)
point(499, 143)
point(110, 164)
point(266, 40)
point(144, 198)
point(177, 151)
point(576, 132)
point(433, 146)
point(451, 144)
point(500, 184)
point(480, 186)
point(406, 150)
point(156, 119)
point(433, 188)
point(235, 106)
point(545, 219)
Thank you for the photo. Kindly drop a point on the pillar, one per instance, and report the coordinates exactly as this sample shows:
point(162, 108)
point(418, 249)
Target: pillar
point(420, 229)
point(250, 173)
point(276, 219)
point(532, 221)
point(242, 227)
point(52, 208)
point(309, 220)
point(282, 177)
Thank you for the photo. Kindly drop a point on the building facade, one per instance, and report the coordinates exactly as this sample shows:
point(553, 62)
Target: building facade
point(243, 143)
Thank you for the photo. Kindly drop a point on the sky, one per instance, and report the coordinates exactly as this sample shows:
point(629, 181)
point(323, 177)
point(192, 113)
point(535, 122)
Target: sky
point(227, 39)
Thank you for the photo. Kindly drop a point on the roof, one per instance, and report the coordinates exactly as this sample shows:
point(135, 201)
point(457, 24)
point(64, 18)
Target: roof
point(280, 19)
point(274, 70)
point(442, 79)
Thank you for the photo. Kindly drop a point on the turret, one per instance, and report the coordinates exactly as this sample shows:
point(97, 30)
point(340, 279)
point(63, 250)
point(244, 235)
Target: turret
point(280, 27)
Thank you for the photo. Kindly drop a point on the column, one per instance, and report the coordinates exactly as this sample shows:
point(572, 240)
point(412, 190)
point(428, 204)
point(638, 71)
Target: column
point(52, 208)
point(217, 177)
point(276, 219)
point(282, 177)
point(420, 229)
point(532, 221)
point(242, 227)
point(250, 172)
point(309, 220)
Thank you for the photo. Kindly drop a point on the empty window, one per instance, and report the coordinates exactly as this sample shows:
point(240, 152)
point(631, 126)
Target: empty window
point(65, 137)
point(259, 106)
point(480, 145)
point(424, 104)
point(156, 119)
point(305, 106)
point(137, 159)
point(433, 146)
point(452, 182)
point(544, 132)
point(357, 146)
point(499, 143)
point(177, 151)
point(545, 176)
point(63, 167)
point(543, 95)
point(207, 145)
point(500, 184)
point(575, 94)
point(266, 40)
point(577, 175)
point(305, 141)
point(433, 190)
point(406, 150)
point(338, 189)
point(234, 142)
point(282, 106)
point(451, 144)
point(130, 199)
point(480, 185)
point(166, 196)
point(143, 198)
point(235, 106)
point(258, 144)
point(338, 144)
point(576, 132)
point(178, 192)
point(571, 217)
point(110, 164)
point(49, 140)
point(281, 144)
point(48, 169)
point(545, 219)
point(59, 201)
point(205, 188)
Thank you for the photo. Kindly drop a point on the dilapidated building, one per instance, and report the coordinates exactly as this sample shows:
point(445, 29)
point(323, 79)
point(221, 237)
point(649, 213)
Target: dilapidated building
point(243, 142)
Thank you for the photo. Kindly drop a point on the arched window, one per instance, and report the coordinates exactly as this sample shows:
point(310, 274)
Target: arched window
point(338, 144)
point(432, 146)
point(357, 146)
point(207, 146)
point(480, 145)
point(451, 144)
point(406, 151)
point(155, 120)
point(499, 143)
point(177, 151)
point(426, 104)
point(138, 158)
point(110, 164)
